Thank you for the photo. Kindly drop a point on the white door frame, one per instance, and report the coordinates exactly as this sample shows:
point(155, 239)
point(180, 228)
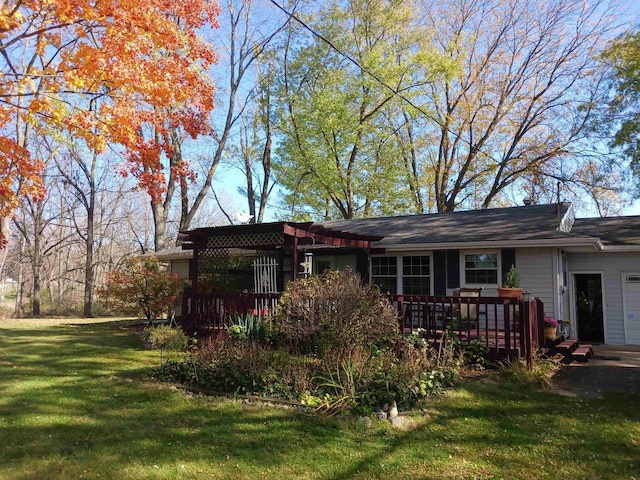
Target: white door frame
point(572, 300)
point(624, 302)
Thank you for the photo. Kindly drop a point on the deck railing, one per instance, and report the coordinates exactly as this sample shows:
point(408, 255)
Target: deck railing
point(507, 327)
point(207, 313)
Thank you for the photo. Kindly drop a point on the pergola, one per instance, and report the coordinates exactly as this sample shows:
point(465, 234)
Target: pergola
point(279, 239)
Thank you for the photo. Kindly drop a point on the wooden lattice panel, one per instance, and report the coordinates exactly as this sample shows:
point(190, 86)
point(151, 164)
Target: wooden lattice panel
point(246, 240)
point(207, 257)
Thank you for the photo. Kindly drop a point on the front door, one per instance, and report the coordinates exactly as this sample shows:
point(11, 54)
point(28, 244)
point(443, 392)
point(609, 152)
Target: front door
point(588, 307)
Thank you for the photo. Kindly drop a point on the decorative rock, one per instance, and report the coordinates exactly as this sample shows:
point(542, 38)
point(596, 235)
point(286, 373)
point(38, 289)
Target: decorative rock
point(397, 422)
point(381, 414)
point(393, 411)
point(365, 422)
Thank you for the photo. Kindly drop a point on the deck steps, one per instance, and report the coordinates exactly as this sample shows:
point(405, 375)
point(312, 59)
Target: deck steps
point(567, 347)
point(583, 353)
point(567, 351)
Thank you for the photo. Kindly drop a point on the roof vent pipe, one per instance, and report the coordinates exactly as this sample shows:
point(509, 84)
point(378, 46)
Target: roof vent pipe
point(528, 201)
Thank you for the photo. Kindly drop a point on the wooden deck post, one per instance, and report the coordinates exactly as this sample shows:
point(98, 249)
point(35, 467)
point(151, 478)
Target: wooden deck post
point(294, 259)
point(525, 332)
point(507, 328)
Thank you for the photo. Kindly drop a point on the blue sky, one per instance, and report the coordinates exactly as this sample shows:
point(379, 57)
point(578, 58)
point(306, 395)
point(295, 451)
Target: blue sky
point(229, 179)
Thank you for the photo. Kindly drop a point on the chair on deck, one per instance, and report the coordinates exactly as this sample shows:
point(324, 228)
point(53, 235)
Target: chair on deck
point(468, 311)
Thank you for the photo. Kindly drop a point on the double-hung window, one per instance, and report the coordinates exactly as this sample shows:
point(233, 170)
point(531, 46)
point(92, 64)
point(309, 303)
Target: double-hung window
point(416, 275)
point(409, 275)
point(384, 273)
point(481, 268)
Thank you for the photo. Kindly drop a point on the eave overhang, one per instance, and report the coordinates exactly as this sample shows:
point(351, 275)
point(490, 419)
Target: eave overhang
point(592, 244)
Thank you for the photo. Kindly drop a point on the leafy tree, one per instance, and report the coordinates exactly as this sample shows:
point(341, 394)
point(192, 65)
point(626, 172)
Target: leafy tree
point(143, 287)
point(59, 58)
point(623, 55)
point(492, 99)
point(518, 107)
point(338, 154)
point(242, 42)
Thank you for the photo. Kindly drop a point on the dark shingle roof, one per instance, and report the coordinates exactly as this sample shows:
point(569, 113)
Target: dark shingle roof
point(532, 222)
point(610, 230)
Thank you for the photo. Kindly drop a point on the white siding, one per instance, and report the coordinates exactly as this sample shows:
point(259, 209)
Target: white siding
point(180, 267)
point(611, 264)
point(535, 266)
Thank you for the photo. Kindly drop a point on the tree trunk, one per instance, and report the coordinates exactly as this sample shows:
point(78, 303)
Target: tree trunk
point(19, 293)
point(160, 225)
point(87, 309)
point(35, 265)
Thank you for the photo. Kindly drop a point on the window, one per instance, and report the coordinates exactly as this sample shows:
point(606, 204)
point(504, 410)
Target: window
point(481, 268)
point(416, 275)
point(322, 265)
point(384, 273)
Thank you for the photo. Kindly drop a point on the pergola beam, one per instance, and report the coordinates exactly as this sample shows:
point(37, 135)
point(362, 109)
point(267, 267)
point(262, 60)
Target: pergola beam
point(305, 233)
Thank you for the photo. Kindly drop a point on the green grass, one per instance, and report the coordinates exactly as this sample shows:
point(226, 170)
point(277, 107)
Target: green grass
point(75, 403)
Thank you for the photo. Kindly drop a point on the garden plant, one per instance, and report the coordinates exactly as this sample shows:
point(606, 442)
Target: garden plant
point(333, 343)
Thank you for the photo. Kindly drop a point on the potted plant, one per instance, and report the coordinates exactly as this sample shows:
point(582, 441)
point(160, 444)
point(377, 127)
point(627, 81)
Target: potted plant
point(511, 286)
point(550, 328)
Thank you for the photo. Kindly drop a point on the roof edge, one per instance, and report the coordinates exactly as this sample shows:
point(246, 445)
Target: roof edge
point(565, 242)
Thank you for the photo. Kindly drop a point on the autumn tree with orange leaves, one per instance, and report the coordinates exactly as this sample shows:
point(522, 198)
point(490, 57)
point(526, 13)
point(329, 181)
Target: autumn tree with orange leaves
point(102, 72)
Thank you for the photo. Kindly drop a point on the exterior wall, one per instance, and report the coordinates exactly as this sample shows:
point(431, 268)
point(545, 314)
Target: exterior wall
point(538, 275)
point(334, 262)
point(611, 265)
point(535, 266)
point(179, 267)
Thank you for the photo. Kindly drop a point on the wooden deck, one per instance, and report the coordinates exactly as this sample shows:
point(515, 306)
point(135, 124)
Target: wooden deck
point(509, 328)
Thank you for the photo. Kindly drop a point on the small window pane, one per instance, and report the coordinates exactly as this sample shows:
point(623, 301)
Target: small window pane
point(416, 286)
point(386, 284)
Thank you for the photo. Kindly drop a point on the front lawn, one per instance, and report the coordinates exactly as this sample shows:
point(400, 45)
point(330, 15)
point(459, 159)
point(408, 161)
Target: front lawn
point(75, 402)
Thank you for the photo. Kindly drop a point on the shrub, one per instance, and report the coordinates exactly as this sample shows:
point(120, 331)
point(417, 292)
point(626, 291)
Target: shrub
point(338, 348)
point(411, 370)
point(143, 287)
point(334, 309)
point(225, 365)
point(475, 354)
point(339, 380)
point(166, 338)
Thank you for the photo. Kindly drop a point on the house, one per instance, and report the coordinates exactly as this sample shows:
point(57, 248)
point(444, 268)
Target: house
point(585, 271)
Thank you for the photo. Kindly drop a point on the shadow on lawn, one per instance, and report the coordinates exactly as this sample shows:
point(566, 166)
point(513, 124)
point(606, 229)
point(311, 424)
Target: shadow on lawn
point(579, 437)
point(74, 398)
point(65, 403)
